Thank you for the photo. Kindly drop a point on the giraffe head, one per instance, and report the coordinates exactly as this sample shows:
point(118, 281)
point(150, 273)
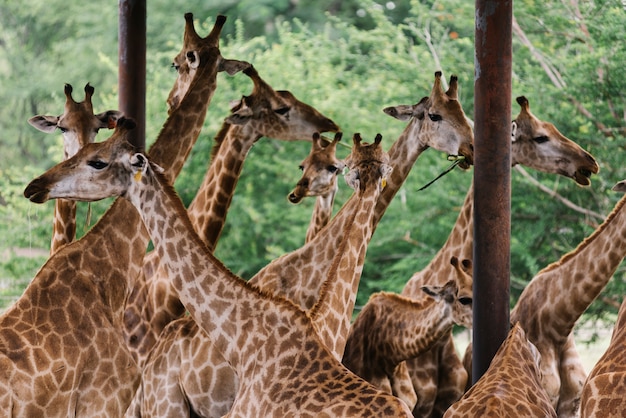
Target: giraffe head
point(444, 125)
point(187, 61)
point(362, 157)
point(97, 171)
point(448, 293)
point(464, 297)
point(540, 145)
point(319, 170)
point(77, 123)
point(276, 114)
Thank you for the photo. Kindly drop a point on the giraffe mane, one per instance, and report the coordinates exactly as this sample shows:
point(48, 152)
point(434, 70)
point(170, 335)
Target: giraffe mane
point(184, 217)
point(398, 298)
point(587, 241)
point(219, 139)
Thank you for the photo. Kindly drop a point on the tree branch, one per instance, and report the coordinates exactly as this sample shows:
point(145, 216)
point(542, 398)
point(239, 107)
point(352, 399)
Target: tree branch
point(558, 197)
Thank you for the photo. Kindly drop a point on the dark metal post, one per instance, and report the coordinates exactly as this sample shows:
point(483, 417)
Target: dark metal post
point(132, 65)
point(492, 175)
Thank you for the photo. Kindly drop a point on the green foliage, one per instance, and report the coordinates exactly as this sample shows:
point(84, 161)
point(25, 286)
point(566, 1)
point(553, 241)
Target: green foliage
point(349, 59)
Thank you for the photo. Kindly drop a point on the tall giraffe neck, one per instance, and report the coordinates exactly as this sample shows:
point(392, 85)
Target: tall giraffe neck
point(402, 156)
point(459, 244)
point(190, 115)
point(64, 227)
point(333, 311)
point(322, 212)
point(220, 302)
point(208, 209)
point(563, 290)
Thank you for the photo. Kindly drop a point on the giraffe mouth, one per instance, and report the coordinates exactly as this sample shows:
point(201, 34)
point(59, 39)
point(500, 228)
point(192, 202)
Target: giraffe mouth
point(294, 198)
point(582, 177)
point(35, 193)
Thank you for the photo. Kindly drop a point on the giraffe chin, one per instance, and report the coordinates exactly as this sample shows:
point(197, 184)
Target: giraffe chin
point(582, 177)
point(36, 196)
point(294, 198)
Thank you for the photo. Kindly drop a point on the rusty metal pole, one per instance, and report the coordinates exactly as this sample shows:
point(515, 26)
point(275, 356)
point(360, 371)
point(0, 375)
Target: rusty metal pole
point(492, 175)
point(132, 65)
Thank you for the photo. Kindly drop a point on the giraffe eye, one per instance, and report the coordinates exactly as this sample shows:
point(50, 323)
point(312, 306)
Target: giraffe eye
point(332, 168)
point(62, 129)
point(435, 117)
point(282, 110)
point(175, 66)
point(541, 139)
point(301, 167)
point(97, 164)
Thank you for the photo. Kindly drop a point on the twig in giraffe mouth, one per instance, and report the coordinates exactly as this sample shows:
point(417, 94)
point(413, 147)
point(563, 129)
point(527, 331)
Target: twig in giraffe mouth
point(457, 160)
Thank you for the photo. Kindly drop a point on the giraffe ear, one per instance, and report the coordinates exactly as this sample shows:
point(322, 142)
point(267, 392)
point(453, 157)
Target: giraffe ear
point(109, 118)
point(139, 165)
point(232, 67)
point(385, 171)
point(240, 117)
point(44, 123)
point(513, 131)
point(400, 112)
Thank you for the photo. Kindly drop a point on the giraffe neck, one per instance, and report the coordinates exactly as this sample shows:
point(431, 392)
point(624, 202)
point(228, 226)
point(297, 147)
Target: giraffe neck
point(280, 276)
point(220, 302)
point(64, 224)
point(563, 290)
point(416, 325)
point(208, 209)
point(332, 312)
point(459, 244)
point(322, 212)
point(172, 151)
point(402, 156)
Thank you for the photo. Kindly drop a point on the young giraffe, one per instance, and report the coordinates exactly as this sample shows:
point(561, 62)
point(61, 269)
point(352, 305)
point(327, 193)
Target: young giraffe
point(511, 387)
point(603, 391)
point(392, 328)
point(264, 113)
point(284, 368)
point(173, 381)
point(438, 375)
point(79, 126)
point(61, 347)
point(319, 178)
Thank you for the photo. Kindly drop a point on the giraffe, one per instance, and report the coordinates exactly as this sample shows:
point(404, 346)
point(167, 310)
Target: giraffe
point(319, 178)
point(603, 391)
point(172, 385)
point(283, 367)
point(557, 296)
point(61, 346)
point(265, 112)
point(392, 328)
point(511, 387)
point(79, 126)
point(438, 375)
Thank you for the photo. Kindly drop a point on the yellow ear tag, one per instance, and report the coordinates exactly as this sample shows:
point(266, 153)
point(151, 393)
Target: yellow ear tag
point(383, 182)
point(138, 176)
